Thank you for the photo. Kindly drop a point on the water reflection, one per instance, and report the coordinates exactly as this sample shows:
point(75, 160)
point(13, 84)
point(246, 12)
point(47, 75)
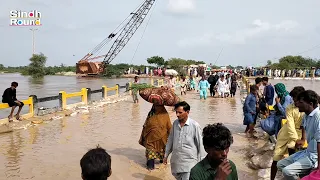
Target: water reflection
point(14, 154)
point(53, 150)
point(33, 133)
point(36, 81)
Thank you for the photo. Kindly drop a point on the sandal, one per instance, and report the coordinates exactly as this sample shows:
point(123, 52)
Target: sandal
point(17, 117)
point(10, 119)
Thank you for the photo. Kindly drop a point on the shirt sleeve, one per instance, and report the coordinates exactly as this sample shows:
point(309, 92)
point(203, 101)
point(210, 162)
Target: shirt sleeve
point(292, 133)
point(317, 130)
point(246, 103)
point(194, 174)
point(169, 143)
point(201, 151)
point(282, 108)
point(14, 95)
point(234, 173)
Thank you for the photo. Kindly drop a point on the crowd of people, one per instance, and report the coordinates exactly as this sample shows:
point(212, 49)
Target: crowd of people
point(293, 118)
point(302, 73)
point(196, 154)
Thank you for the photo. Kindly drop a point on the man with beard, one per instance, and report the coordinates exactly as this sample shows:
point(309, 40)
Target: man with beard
point(217, 140)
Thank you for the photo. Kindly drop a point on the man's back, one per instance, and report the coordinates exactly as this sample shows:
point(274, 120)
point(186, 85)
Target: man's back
point(8, 95)
point(269, 94)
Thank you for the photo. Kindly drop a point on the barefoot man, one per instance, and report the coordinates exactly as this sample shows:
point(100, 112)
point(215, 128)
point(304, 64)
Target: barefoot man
point(9, 96)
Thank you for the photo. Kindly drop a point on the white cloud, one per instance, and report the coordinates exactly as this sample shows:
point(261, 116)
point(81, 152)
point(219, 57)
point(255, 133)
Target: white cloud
point(258, 28)
point(181, 6)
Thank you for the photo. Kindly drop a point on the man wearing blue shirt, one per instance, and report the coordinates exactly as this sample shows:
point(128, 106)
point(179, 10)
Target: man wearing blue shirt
point(268, 91)
point(302, 162)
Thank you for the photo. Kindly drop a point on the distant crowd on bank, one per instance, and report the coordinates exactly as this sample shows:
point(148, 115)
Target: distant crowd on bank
point(302, 73)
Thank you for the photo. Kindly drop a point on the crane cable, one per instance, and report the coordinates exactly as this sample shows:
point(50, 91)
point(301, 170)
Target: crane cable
point(107, 39)
point(134, 54)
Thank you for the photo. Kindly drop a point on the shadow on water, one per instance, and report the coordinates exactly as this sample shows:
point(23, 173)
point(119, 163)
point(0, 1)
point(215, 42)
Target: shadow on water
point(135, 155)
point(145, 177)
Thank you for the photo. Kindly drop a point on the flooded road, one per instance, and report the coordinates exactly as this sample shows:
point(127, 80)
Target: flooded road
point(54, 150)
point(52, 85)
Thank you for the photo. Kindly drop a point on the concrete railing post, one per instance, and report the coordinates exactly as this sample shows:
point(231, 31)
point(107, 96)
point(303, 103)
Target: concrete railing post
point(104, 92)
point(84, 97)
point(117, 89)
point(89, 95)
point(34, 105)
point(62, 100)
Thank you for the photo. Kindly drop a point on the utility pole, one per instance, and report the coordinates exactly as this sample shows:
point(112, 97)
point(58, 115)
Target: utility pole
point(33, 43)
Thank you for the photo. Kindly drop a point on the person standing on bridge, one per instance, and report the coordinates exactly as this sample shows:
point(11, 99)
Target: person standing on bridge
point(155, 134)
point(203, 88)
point(184, 142)
point(10, 96)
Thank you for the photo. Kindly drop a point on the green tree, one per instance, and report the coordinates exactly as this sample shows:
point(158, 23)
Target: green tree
point(230, 67)
point(269, 62)
point(157, 60)
point(36, 68)
point(1, 66)
point(292, 62)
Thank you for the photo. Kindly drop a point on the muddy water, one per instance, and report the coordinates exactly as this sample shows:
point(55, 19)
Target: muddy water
point(53, 150)
point(52, 85)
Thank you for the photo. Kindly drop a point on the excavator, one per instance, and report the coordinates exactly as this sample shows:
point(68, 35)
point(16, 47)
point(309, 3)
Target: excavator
point(122, 34)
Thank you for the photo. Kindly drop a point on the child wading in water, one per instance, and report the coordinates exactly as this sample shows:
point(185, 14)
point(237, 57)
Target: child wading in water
point(249, 110)
point(183, 86)
point(192, 84)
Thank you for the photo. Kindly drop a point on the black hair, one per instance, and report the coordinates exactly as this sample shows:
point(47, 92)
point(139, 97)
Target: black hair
point(185, 105)
point(258, 80)
point(309, 96)
point(263, 107)
point(96, 164)
point(253, 88)
point(14, 84)
point(296, 91)
point(265, 79)
point(136, 77)
point(217, 136)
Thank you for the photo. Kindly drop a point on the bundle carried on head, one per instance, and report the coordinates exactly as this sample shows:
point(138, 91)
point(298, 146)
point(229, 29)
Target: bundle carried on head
point(160, 96)
point(138, 87)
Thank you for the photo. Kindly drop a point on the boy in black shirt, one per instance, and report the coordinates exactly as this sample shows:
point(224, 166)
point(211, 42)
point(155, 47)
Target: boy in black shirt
point(9, 96)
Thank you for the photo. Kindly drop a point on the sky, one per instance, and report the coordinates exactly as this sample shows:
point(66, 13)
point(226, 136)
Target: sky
point(247, 32)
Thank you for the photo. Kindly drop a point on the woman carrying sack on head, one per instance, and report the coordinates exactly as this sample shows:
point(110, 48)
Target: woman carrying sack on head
point(154, 135)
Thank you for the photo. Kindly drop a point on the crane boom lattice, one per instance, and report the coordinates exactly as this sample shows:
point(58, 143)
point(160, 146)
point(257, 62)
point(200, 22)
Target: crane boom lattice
point(128, 31)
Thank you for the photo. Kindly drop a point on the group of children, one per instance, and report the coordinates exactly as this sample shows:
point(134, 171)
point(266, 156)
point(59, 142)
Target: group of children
point(294, 121)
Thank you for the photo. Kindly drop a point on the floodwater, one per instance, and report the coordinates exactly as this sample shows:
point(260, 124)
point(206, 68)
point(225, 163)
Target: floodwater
point(52, 85)
point(54, 150)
